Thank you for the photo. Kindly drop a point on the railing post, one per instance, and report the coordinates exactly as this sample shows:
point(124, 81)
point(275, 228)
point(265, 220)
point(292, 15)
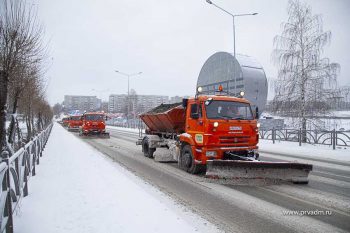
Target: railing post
point(273, 135)
point(299, 136)
point(8, 204)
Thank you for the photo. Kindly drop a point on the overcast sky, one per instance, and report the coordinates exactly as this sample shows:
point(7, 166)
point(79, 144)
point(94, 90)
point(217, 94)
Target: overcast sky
point(167, 40)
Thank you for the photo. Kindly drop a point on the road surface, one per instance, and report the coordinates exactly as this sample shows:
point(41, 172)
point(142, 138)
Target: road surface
point(245, 208)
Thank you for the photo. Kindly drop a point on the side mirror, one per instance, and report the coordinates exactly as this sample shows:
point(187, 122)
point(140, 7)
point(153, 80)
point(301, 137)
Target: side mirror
point(257, 113)
point(184, 103)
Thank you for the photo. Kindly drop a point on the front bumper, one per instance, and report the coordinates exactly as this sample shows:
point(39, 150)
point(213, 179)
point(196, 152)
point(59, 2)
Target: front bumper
point(201, 155)
point(73, 128)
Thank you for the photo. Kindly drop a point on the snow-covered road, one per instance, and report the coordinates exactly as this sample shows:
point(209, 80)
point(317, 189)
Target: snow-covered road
point(246, 208)
point(77, 189)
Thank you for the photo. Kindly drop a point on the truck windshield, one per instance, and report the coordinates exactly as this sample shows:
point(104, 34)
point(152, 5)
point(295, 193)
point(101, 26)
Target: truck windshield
point(94, 117)
point(75, 118)
point(219, 109)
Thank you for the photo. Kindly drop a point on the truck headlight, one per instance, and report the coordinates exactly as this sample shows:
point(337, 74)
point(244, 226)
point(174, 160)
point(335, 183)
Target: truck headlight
point(216, 124)
point(258, 125)
point(210, 153)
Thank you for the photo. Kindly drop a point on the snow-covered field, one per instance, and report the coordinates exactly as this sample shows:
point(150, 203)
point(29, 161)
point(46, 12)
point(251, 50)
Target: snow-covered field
point(78, 189)
point(124, 129)
point(324, 123)
point(22, 125)
point(306, 150)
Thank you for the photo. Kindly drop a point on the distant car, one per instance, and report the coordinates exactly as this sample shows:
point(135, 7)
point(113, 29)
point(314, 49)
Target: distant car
point(74, 123)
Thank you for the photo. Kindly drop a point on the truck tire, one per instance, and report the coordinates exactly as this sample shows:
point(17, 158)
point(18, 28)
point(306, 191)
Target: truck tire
point(147, 152)
point(186, 161)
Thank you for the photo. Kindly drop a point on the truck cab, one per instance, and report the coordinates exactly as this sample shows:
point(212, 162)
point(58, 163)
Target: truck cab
point(218, 128)
point(217, 125)
point(74, 123)
point(92, 123)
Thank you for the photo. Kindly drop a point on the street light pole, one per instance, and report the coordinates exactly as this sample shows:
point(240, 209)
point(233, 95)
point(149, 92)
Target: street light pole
point(128, 76)
point(234, 34)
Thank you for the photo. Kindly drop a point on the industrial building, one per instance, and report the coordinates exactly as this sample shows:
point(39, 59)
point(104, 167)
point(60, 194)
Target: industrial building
point(242, 73)
point(81, 103)
point(138, 103)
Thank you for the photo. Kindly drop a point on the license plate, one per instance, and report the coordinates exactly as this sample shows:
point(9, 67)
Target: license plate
point(235, 128)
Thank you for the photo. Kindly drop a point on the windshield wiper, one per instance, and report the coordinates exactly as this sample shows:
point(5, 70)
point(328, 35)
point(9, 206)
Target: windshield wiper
point(224, 117)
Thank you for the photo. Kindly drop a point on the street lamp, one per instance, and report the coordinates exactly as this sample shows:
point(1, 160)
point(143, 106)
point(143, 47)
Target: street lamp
point(234, 33)
point(129, 76)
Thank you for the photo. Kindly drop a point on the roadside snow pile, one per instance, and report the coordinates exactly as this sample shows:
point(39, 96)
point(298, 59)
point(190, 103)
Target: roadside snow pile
point(305, 151)
point(124, 129)
point(341, 113)
point(77, 189)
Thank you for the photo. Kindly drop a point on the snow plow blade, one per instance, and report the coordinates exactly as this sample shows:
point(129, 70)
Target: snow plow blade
point(101, 135)
point(230, 171)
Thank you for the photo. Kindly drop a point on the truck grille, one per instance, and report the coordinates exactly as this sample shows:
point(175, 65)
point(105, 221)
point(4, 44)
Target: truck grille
point(234, 140)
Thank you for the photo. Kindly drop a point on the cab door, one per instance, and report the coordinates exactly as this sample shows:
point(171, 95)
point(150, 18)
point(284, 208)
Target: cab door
point(194, 123)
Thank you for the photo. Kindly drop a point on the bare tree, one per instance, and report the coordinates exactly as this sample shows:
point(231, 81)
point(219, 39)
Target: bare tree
point(305, 78)
point(57, 109)
point(21, 51)
point(3, 101)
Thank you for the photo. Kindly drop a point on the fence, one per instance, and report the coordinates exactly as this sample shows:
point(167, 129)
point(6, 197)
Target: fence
point(332, 138)
point(132, 123)
point(15, 171)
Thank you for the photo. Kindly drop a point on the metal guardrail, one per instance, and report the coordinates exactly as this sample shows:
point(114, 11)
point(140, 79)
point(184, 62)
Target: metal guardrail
point(15, 171)
point(331, 138)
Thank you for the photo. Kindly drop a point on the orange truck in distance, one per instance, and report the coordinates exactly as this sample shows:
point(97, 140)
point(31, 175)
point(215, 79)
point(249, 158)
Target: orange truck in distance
point(74, 123)
point(216, 135)
point(65, 121)
point(93, 123)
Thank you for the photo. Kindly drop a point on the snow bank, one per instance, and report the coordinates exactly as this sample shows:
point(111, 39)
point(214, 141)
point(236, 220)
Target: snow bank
point(77, 189)
point(124, 129)
point(306, 150)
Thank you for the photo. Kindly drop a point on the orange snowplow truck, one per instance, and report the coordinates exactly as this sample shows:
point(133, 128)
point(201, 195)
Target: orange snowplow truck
point(65, 121)
point(216, 135)
point(74, 123)
point(93, 123)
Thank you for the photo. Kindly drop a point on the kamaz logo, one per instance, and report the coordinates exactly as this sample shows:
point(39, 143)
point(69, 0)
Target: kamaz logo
point(235, 128)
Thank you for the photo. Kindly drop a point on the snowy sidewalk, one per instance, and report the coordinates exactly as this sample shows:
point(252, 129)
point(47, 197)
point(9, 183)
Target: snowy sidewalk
point(77, 189)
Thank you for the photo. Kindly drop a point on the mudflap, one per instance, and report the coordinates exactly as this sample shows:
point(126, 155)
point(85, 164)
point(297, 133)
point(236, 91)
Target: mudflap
point(234, 171)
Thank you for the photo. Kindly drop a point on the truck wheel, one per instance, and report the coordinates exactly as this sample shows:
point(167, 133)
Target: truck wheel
point(186, 161)
point(147, 152)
